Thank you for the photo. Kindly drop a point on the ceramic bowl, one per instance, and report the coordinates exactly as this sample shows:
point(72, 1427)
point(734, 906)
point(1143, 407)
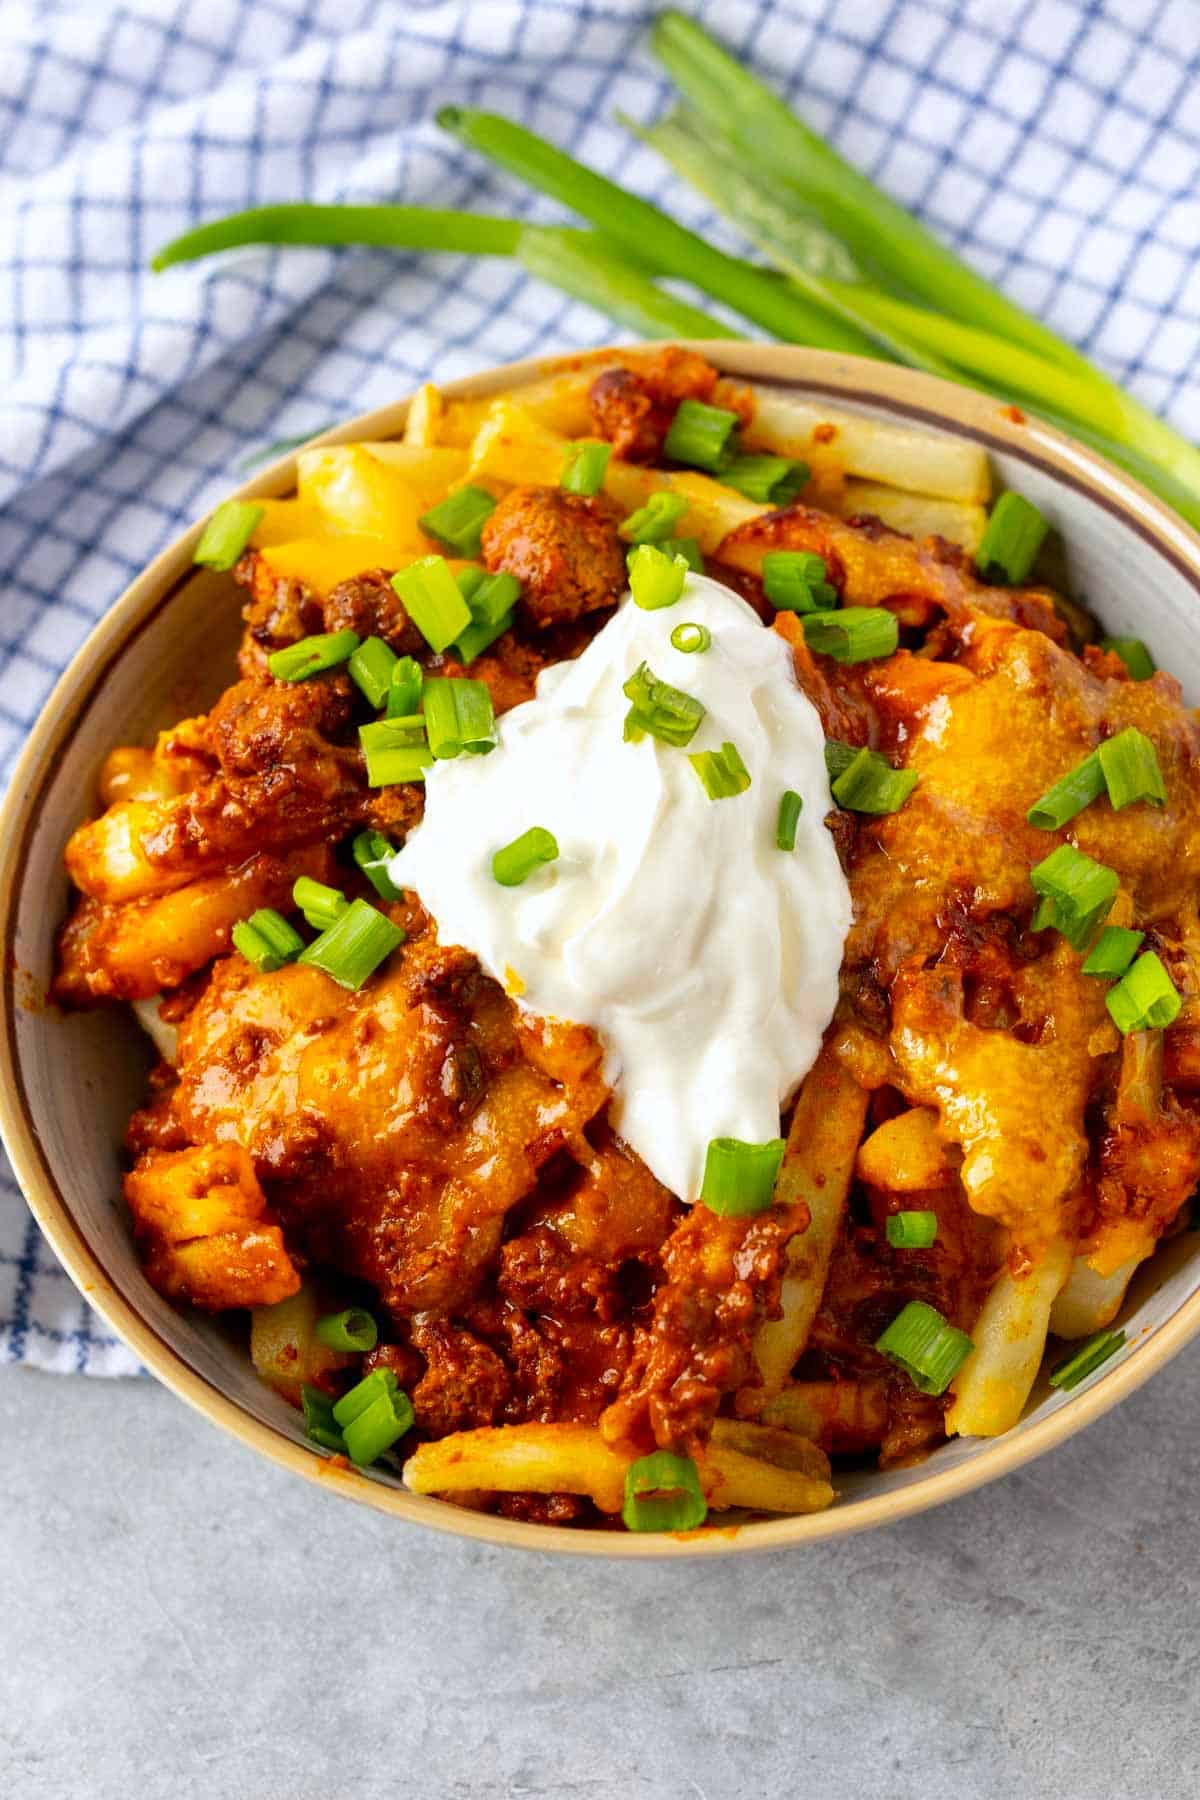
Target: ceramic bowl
point(69, 1083)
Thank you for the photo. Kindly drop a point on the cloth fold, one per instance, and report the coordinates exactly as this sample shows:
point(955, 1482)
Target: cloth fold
point(1056, 143)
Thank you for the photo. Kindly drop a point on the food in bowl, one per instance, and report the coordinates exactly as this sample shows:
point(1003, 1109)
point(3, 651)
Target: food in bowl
point(631, 1051)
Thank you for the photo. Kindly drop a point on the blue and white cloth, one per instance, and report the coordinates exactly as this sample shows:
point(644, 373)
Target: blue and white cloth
point(1056, 143)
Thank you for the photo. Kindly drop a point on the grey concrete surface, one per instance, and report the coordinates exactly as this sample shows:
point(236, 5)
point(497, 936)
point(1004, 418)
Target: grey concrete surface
point(181, 1621)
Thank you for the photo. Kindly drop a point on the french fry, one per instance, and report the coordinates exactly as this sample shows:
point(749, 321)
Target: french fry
point(424, 419)
point(764, 1468)
point(162, 1035)
point(284, 1347)
point(284, 520)
point(431, 473)
point(521, 1459)
point(1088, 1301)
point(922, 462)
point(905, 1154)
point(991, 1388)
point(818, 1164)
point(513, 446)
point(356, 495)
point(837, 1415)
point(917, 515)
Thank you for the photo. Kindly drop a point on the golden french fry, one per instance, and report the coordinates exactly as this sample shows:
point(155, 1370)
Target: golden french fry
point(991, 1388)
point(922, 462)
point(918, 515)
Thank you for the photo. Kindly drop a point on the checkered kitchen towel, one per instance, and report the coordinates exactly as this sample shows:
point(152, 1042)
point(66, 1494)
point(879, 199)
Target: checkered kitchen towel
point(1057, 143)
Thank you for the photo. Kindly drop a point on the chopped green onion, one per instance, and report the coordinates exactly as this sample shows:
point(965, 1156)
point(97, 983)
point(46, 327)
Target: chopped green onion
point(227, 534)
point(1131, 771)
point(373, 853)
point(585, 468)
point(322, 906)
point(691, 639)
point(459, 716)
point(1145, 998)
point(657, 519)
point(911, 1230)
point(320, 1426)
point(722, 772)
point(663, 1493)
point(739, 1178)
point(433, 600)
point(478, 637)
point(516, 862)
point(795, 581)
point(838, 757)
point(1077, 893)
point(1011, 541)
point(1113, 951)
point(379, 1384)
point(700, 435)
point(392, 751)
point(1133, 653)
point(354, 947)
point(489, 597)
point(771, 480)
point(1069, 796)
point(856, 634)
point(372, 666)
point(404, 695)
point(312, 655)
point(688, 548)
point(655, 580)
point(457, 522)
point(353, 1329)
point(267, 940)
point(1086, 1360)
point(790, 808)
point(869, 784)
point(664, 711)
point(383, 1424)
point(927, 1348)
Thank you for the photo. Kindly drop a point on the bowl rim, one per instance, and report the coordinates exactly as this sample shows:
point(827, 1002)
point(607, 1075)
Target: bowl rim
point(902, 393)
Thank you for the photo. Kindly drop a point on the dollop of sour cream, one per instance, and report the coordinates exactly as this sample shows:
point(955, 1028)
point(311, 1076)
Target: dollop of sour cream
point(705, 957)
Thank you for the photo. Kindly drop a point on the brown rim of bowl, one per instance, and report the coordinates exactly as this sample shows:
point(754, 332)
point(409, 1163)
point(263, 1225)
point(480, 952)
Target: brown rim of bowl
point(903, 393)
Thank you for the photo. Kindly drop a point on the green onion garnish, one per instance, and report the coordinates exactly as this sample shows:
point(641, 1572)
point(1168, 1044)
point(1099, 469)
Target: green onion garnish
point(394, 750)
point(839, 756)
point(372, 852)
point(267, 940)
point(739, 1178)
point(322, 906)
point(372, 666)
point(691, 639)
point(790, 808)
point(856, 634)
point(404, 695)
point(516, 862)
point(1012, 540)
point(1076, 894)
point(869, 784)
point(320, 1426)
point(490, 598)
point(660, 709)
point(457, 522)
point(585, 468)
point(433, 600)
point(663, 1493)
point(1133, 653)
point(1086, 1360)
point(927, 1348)
point(373, 1415)
point(651, 523)
point(1131, 771)
point(797, 581)
point(700, 435)
point(771, 480)
point(688, 548)
point(1113, 951)
point(655, 580)
point(911, 1230)
point(227, 534)
point(1069, 796)
point(478, 637)
point(312, 655)
point(354, 947)
point(722, 772)
point(353, 1329)
point(459, 716)
point(1145, 998)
